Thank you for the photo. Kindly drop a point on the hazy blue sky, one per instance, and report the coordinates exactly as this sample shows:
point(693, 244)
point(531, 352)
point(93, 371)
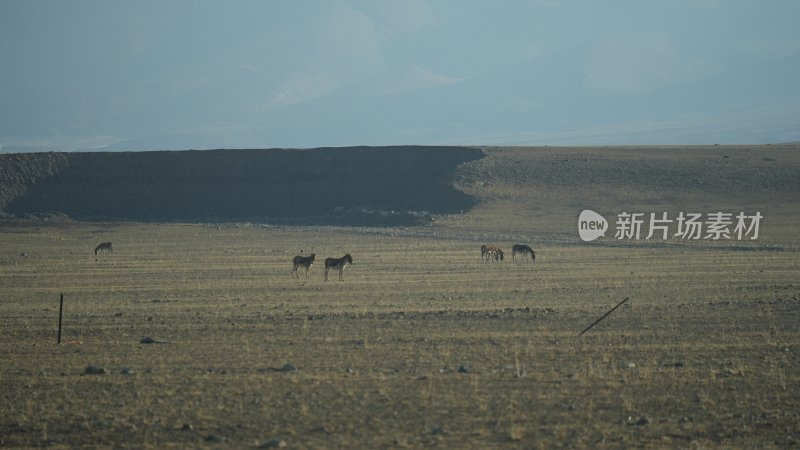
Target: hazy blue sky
point(142, 75)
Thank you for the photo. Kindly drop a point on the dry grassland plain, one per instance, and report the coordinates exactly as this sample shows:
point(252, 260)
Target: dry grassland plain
point(423, 345)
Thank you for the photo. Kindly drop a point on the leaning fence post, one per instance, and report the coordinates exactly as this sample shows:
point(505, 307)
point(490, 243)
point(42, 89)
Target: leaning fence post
point(604, 316)
point(60, 315)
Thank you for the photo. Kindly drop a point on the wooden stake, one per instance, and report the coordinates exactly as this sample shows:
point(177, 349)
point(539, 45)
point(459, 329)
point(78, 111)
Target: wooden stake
point(60, 315)
point(604, 316)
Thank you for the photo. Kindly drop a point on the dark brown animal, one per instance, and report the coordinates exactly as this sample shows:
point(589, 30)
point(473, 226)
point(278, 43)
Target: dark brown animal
point(302, 261)
point(337, 263)
point(103, 246)
point(524, 249)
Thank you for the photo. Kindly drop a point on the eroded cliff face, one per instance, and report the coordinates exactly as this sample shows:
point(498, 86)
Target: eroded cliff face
point(342, 186)
point(20, 171)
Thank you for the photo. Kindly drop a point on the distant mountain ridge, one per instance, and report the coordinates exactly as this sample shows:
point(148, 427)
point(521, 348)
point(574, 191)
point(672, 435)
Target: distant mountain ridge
point(570, 97)
point(550, 100)
point(553, 100)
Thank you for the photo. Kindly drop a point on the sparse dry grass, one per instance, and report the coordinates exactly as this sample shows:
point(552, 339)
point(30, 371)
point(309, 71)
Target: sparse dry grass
point(537, 193)
point(702, 356)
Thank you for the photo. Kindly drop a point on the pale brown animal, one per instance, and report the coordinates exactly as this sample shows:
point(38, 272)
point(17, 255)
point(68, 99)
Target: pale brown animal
point(488, 251)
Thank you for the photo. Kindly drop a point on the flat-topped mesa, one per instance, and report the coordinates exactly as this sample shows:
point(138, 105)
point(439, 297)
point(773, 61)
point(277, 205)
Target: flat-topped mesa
point(372, 186)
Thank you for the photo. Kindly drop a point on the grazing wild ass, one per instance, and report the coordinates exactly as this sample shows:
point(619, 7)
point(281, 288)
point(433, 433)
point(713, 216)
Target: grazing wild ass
point(491, 251)
point(103, 246)
point(524, 249)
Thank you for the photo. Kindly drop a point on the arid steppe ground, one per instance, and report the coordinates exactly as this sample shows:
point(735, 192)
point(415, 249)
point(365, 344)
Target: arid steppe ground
point(423, 345)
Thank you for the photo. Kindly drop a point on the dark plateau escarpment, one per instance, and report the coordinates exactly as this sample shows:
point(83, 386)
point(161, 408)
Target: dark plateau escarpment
point(373, 186)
